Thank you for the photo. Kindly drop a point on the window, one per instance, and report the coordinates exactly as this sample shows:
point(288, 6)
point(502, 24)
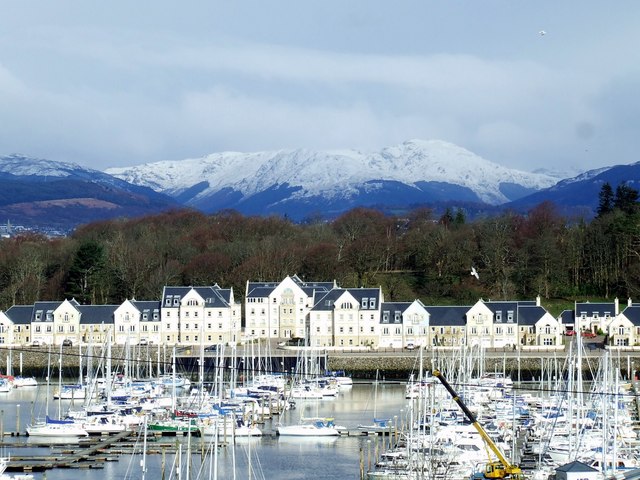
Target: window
point(372, 303)
point(385, 331)
point(364, 303)
point(509, 315)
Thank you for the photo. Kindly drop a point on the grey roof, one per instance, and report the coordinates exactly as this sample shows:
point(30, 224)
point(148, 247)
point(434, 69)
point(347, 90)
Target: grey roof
point(575, 466)
point(447, 316)
point(264, 289)
point(20, 314)
point(212, 296)
point(598, 307)
point(46, 307)
point(147, 308)
point(503, 308)
point(390, 308)
point(260, 291)
point(97, 314)
point(633, 314)
point(567, 316)
point(327, 301)
point(529, 315)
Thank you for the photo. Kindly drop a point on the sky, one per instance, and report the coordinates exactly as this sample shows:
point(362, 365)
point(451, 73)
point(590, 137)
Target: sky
point(528, 85)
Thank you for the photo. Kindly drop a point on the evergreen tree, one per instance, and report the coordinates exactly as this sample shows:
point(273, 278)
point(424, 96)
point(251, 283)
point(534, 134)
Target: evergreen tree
point(626, 198)
point(87, 265)
point(606, 200)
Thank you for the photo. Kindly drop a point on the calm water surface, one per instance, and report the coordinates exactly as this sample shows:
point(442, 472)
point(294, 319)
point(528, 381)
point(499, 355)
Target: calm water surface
point(269, 457)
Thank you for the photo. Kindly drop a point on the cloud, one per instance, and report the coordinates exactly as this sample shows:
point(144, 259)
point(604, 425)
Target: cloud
point(116, 96)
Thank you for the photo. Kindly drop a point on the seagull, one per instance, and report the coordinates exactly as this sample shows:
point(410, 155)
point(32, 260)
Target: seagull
point(542, 33)
point(474, 273)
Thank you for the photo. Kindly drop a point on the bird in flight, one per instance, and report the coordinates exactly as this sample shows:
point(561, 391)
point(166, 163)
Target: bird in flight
point(474, 273)
point(542, 33)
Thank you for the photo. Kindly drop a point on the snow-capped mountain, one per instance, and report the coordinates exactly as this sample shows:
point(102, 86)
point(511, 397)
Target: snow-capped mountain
point(41, 192)
point(289, 181)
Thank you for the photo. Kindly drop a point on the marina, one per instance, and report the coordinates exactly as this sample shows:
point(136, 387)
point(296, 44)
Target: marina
point(484, 421)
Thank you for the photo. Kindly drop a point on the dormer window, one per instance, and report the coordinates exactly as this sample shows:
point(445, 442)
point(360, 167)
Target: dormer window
point(372, 303)
point(510, 316)
point(176, 301)
point(396, 317)
point(499, 316)
point(385, 316)
point(364, 303)
point(167, 301)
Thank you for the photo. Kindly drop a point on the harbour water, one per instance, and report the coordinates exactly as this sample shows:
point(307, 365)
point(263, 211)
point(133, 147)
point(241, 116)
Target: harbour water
point(268, 457)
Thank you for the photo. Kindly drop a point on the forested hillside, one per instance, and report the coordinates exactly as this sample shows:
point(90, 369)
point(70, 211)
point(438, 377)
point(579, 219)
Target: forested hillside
point(416, 256)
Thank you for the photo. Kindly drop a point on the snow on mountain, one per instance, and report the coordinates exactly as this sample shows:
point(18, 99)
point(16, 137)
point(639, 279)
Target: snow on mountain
point(333, 174)
point(21, 165)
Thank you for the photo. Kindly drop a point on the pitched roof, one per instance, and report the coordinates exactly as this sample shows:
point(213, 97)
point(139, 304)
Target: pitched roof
point(389, 308)
point(97, 314)
point(575, 466)
point(598, 307)
point(212, 295)
point(530, 314)
point(633, 314)
point(148, 307)
point(20, 314)
point(447, 316)
point(42, 308)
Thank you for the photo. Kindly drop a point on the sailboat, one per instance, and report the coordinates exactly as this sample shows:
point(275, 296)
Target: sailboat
point(55, 428)
point(380, 426)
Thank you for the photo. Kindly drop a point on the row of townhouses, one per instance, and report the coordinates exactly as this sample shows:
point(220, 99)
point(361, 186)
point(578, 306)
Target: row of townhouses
point(323, 313)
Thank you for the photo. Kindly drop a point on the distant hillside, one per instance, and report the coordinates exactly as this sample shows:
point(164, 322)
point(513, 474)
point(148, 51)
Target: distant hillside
point(39, 192)
point(580, 195)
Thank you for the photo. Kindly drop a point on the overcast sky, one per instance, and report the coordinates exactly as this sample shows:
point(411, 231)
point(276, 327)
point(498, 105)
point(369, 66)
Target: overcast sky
point(121, 83)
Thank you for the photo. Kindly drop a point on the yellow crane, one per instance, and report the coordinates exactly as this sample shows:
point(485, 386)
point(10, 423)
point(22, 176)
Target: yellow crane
point(500, 469)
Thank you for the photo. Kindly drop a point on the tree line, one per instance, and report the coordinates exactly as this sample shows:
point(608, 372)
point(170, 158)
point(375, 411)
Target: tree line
point(416, 255)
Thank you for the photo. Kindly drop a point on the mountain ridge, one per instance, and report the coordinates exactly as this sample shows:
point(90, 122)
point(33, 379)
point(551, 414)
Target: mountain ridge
point(335, 176)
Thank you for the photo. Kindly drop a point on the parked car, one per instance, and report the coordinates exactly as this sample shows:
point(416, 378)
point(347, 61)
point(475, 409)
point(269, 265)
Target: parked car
point(35, 343)
point(211, 348)
point(570, 332)
point(67, 343)
point(589, 334)
point(143, 341)
point(410, 346)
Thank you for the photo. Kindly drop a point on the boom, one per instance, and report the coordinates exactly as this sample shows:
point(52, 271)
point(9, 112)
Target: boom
point(501, 469)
